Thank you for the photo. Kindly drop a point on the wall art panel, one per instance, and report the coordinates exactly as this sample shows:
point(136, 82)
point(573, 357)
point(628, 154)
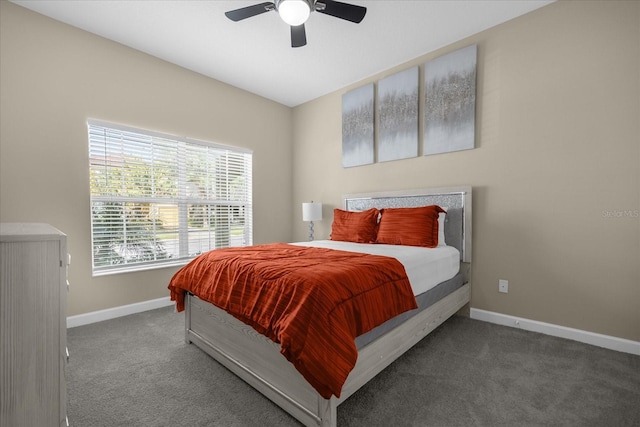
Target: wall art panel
point(398, 101)
point(450, 99)
point(357, 127)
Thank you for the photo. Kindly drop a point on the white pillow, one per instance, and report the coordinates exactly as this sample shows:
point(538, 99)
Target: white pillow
point(441, 220)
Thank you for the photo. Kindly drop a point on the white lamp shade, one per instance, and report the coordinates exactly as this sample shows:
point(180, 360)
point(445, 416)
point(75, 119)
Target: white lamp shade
point(312, 211)
point(294, 12)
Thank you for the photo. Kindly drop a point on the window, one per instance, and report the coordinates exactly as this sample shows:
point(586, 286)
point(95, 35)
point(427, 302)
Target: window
point(159, 200)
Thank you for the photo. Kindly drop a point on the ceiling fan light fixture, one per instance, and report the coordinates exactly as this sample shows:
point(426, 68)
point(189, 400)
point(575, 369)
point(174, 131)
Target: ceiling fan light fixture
point(294, 12)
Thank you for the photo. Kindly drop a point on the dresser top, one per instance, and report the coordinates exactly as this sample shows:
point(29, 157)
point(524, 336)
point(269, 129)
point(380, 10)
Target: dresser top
point(19, 231)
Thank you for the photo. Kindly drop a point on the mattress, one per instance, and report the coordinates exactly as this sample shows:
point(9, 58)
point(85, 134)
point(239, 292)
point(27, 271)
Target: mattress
point(425, 267)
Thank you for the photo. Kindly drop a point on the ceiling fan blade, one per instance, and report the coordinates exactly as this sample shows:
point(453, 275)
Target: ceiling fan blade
point(349, 12)
point(249, 11)
point(298, 36)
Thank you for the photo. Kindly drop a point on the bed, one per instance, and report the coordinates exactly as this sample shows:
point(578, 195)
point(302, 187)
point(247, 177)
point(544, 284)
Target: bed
point(258, 360)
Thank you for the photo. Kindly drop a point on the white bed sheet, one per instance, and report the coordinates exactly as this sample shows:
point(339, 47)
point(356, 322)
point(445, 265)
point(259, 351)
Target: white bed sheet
point(425, 267)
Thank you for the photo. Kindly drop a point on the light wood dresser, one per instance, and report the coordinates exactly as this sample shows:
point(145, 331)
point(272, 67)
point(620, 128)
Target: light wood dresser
point(33, 328)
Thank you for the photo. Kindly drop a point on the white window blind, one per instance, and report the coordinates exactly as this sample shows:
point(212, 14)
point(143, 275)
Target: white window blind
point(159, 200)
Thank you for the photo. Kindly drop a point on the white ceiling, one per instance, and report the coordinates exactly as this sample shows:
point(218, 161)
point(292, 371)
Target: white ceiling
point(255, 54)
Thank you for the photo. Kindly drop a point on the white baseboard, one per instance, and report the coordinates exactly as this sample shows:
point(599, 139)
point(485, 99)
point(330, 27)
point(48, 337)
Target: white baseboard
point(112, 313)
point(605, 341)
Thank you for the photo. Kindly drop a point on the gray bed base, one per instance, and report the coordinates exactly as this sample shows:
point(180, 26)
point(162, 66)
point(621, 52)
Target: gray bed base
point(257, 360)
point(424, 300)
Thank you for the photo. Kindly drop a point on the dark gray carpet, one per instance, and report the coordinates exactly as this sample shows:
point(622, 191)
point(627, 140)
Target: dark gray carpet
point(138, 371)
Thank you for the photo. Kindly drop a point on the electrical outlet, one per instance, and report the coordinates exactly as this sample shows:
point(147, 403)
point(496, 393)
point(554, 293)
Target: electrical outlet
point(503, 286)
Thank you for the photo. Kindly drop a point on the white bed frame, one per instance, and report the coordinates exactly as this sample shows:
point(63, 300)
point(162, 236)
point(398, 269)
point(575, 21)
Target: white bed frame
point(257, 360)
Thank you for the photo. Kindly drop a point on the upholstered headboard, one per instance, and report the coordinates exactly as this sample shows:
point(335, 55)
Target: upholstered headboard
point(456, 200)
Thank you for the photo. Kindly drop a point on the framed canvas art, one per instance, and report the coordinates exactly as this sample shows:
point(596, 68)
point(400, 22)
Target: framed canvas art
point(357, 127)
point(398, 101)
point(450, 102)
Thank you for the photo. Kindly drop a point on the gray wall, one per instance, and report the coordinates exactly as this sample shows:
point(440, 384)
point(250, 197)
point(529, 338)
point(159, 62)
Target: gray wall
point(557, 162)
point(53, 77)
point(556, 171)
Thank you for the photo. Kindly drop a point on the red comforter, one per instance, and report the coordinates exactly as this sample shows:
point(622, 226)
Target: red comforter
point(314, 302)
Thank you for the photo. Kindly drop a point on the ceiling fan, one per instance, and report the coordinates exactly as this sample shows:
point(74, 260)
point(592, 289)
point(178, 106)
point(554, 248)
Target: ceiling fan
point(296, 12)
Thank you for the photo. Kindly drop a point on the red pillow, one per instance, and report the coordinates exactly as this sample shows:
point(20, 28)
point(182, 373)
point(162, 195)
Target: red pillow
point(409, 226)
point(358, 227)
